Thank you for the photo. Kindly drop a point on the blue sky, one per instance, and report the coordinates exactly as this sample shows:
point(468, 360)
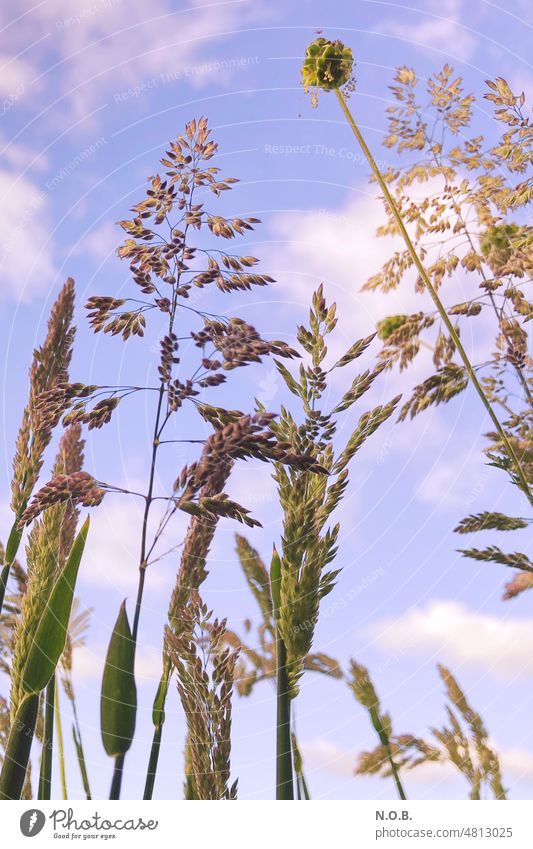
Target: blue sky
point(90, 94)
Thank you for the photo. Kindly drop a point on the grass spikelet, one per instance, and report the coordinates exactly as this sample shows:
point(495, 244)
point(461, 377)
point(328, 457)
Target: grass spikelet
point(49, 541)
point(363, 689)
point(309, 497)
point(48, 370)
point(205, 687)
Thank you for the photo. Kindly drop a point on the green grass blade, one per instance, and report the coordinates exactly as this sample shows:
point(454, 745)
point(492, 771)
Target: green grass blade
point(50, 636)
point(18, 749)
point(118, 705)
point(275, 583)
point(12, 547)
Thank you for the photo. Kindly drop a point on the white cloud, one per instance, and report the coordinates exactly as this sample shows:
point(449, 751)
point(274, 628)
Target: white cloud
point(102, 242)
point(323, 755)
point(112, 554)
point(26, 254)
point(17, 156)
point(111, 45)
point(15, 76)
point(459, 481)
point(340, 248)
point(454, 634)
point(439, 28)
point(89, 662)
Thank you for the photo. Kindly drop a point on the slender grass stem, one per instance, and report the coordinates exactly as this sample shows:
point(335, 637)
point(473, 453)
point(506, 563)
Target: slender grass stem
point(302, 790)
point(385, 742)
point(152, 763)
point(45, 775)
point(158, 716)
point(524, 485)
point(143, 564)
point(78, 743)
point(284, 778)
point(60, 747)
point(116, 782)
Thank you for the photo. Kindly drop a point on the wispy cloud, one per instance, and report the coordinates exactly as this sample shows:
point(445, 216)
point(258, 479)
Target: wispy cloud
point(98, 47)
point(439, 28)
point(323, 755)
point(25, 244)
point(453, 633)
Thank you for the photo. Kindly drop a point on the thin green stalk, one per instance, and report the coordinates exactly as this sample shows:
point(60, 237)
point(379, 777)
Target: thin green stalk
point(148, 503)
point(158, 718)
point(301, 784)
point(435, 297)
point(18, 749)
point(116, 783)
point(385, 742)
point(152, 763)
point(60, 747)
point(45, 775)
point(156, 441)
point(284, 779)
point(76, 735)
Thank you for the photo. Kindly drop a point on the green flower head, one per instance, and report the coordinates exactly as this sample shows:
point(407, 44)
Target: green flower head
point(327, 65)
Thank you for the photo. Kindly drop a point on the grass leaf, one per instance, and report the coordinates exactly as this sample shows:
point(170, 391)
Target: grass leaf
point(118, 705)
point(51, 634)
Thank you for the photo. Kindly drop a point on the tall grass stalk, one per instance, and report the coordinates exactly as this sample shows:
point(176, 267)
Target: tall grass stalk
point(48, 370)
point(284, 776)
point(519, 471)
point(328, 65)
point(170, 269)
point(300, 576)
point(364, 691)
